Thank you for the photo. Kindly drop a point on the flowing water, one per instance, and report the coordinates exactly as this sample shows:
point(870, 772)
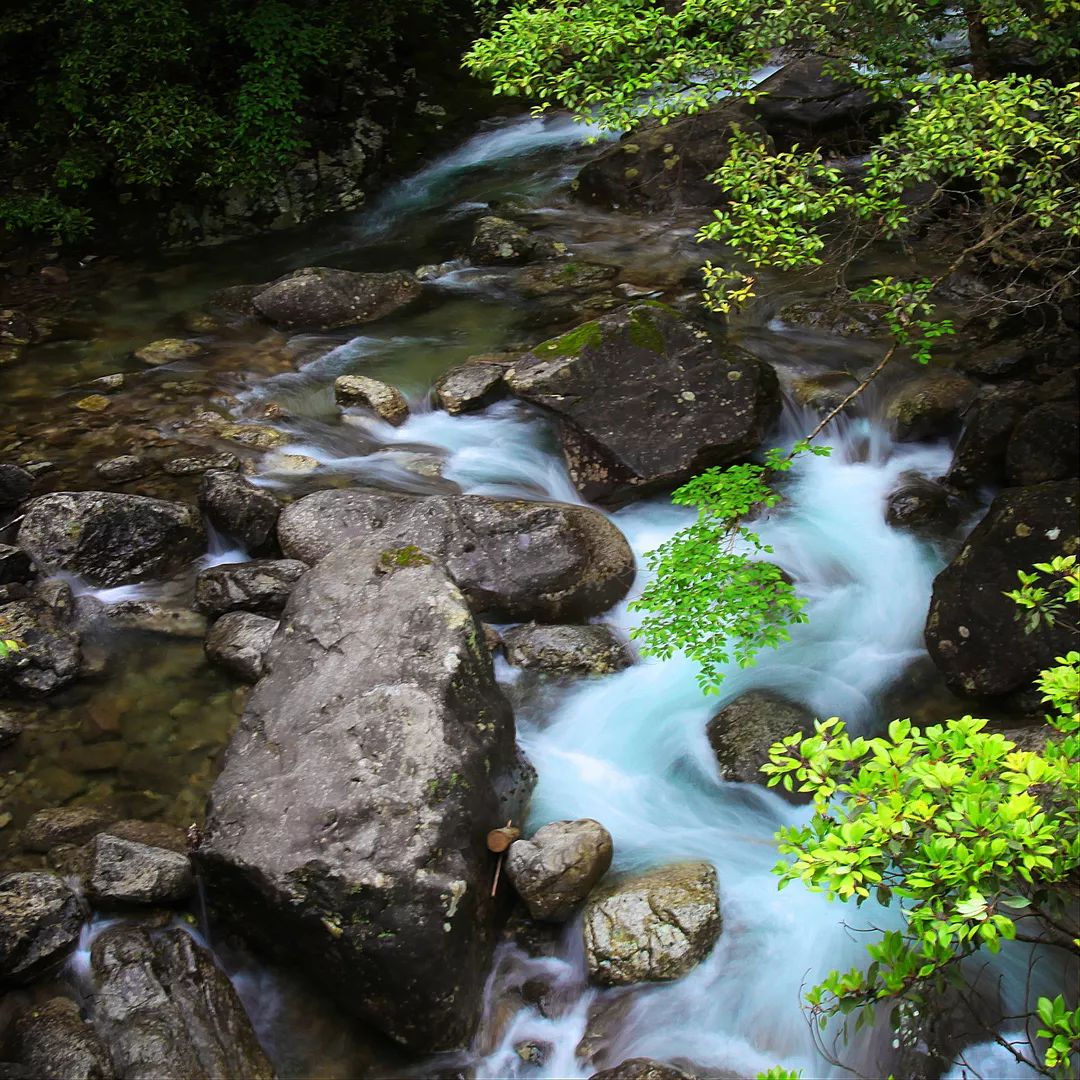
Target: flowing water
point(628, 749)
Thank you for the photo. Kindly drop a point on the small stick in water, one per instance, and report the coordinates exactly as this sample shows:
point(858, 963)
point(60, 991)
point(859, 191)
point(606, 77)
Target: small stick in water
point(503, 834)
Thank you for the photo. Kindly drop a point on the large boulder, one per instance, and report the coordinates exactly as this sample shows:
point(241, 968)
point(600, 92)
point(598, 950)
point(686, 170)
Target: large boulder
point(657, 166)
point(322, 298)
point(348, 825)
point(979, 458)
point(49, 654)
point(566, 650)
point(239, 508)
point(109, 538)
point(262, 585)
point(1044, 445)
point(930, 406)
point(519, 560)
point(53, 1041)
point(40, 920)
point(126, 872)
point(646, 400)
point(925, 507)
point(164, 1008)
point(976, 635)
point(556, 868)
point(741, 733)
point(653, 927)
point(238, 642)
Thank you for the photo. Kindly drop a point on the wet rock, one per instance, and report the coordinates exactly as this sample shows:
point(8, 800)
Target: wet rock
point(10, 728)
point(522, 560)
point(647, 400)
point(253, 436)
point(109, 384)
point(498, 242)
point(262, 585)
point(320, 298)
point(40, 919)
point(925, 506)
point(979, 458)
point(659, 167)
point(48, 656)
point(562, 277)
point(109, 538)
point(930, 405)
point(1044, 445)
point(15, 565)
point(824, 392)
point(349, 822)
point(839, 316)
point(533, 1052)
point(744, 729)
point(126, 872)
point(652, 927)
point(119, 470)
point(976, 635)
point(556, 868)
point(566, 650)
point(147, 616)
point(56, 594)
point(164, 1008)
point(385, 401)
point(15, 485)
point(469, 387)
point(93, 403)
point(240, 509)
point(642, 1069)
point(169, 351)
point(55, 1043)
point(238, 642)
point(192, 466)
point(153, 833)
point(63, 825)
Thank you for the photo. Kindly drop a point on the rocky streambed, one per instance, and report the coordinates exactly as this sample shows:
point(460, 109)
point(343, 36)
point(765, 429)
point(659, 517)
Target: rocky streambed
point(318, 554)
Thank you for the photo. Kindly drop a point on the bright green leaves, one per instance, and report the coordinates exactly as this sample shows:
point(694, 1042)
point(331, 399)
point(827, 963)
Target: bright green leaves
point(714, 595)
point(965, 830)
point(1048, 592)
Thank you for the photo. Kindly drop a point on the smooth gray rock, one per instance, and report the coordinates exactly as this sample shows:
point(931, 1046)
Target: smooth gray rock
point(165, 1009)
point(520, 560)
point(238, 642)
point(55, 1043)
point(744, 729)
point(556, 868)
point(469, 387)
point(653, 927)
point(239, 508)
point(348, 826)
point(384, 400)
point(109, 538)
point(262, 585)
point(566, 650)
point(40, 919)
point(646, 400)
point(321, 298)
point(126, 872)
